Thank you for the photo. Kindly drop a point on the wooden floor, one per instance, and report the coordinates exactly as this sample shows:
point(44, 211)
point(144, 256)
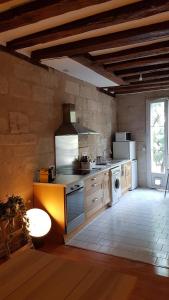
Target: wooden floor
point(152, 282)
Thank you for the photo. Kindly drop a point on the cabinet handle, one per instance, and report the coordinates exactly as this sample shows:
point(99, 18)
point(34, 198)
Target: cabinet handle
point(94, 184)
point(95, 199)
point(94, 178)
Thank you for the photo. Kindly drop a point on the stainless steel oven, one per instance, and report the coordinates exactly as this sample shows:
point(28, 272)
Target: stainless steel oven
point(74, 205)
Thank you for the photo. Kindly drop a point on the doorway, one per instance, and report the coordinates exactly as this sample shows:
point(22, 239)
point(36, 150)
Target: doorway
point(157, 142)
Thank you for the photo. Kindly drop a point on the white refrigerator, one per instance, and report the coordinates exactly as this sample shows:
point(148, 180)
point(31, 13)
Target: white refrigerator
point(124, 150)
point(127, 150)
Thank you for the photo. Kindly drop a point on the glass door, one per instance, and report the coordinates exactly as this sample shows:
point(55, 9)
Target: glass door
point(157, 150)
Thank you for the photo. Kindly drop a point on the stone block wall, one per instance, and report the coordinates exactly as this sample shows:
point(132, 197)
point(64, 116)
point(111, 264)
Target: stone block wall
point(131, 116)
point(30, 112)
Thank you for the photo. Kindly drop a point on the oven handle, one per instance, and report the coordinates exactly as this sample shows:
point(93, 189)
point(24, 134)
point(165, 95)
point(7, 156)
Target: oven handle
point(78, 190)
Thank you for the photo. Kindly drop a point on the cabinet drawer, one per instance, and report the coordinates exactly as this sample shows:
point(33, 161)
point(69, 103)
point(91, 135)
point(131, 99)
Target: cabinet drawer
point(92, 188)
point(94, 203)
point(93, 181)
point(93, 199)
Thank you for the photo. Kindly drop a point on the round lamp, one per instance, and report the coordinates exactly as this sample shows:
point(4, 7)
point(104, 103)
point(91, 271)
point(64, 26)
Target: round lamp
point(39, 222)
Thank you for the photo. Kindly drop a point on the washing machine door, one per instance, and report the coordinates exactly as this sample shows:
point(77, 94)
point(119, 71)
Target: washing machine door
point(116, 184)
point(116, 189)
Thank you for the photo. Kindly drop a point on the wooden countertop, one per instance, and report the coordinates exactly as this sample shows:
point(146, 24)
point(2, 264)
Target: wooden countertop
point(35, 275)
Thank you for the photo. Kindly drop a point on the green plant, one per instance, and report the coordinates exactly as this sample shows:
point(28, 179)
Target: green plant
point(11, 210)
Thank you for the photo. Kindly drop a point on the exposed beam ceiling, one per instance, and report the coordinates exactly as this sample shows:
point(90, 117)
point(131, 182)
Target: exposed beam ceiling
point(39, 10)
point(123, 38)
point(112, 17)
point(148, 61)
point(134, 53)
point(141, 89)
point(135, 89)
point(150, 81)
point(148, 76)
point(124, 41)
point(143, 70)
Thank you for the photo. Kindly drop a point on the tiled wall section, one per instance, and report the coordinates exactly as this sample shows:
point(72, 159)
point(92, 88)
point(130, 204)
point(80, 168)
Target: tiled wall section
point(30, 112)
point(131, 116)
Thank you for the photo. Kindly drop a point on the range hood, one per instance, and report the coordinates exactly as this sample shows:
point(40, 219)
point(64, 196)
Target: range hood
point(69, 125)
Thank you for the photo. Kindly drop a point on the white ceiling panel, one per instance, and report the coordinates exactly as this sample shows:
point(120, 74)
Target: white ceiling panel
point(77, 70)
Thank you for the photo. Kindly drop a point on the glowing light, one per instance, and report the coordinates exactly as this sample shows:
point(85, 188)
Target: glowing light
point(39, 222)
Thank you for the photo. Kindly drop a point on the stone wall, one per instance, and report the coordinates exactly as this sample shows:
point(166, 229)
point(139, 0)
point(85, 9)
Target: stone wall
point(131, 116)
point(30, 113)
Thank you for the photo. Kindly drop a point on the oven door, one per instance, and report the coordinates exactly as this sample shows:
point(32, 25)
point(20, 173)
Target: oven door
point(75, 209)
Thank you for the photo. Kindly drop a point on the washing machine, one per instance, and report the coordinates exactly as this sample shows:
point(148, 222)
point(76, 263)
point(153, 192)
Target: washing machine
point(115, 184)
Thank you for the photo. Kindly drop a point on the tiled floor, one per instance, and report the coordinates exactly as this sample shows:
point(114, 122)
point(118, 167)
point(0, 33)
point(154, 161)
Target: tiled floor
point(136, 228)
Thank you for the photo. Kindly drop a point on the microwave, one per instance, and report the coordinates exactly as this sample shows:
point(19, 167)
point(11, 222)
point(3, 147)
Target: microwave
point(122, 136)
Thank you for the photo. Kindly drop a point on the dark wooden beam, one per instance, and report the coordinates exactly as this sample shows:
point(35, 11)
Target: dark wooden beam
point(84, 60)
point(150, 81)
point(142, 70)
point(136, 63)
point(3, 1)
point(134, 53)
point(112, 17)
point(36, 11)
point(138, 87)
point(141, 89)
point(148, 76)
point(113, 40)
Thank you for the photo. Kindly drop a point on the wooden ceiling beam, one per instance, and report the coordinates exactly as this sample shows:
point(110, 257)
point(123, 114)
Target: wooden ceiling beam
point(3, 1)
point(148, 76)
point(150, 81)
point(134, 53)
point(142, 89)
point(112, 17)
point(137, 86)
point(39, 10)
point(113, 40)
point(85, 61)
point(142, 70)
point(136, 63)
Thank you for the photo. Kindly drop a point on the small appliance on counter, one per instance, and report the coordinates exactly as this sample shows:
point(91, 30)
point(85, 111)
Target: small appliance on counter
point(100, 160)
point(122, 136)
point(43, 175)
point(47, 175)
point(85, 163)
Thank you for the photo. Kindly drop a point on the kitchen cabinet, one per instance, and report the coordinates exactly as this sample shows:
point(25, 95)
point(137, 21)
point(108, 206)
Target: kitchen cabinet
point(106, 188)
point(93, 194)
point(52, 197)
point(97, 193)
point(125, 177)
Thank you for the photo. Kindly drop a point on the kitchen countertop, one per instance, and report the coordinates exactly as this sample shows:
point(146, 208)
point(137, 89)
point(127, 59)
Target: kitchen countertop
point(70, 179)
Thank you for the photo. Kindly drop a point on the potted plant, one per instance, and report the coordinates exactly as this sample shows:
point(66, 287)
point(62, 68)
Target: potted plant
point(12, 210)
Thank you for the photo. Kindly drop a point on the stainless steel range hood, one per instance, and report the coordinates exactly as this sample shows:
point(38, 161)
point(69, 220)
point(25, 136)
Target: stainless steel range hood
point(69, 125)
